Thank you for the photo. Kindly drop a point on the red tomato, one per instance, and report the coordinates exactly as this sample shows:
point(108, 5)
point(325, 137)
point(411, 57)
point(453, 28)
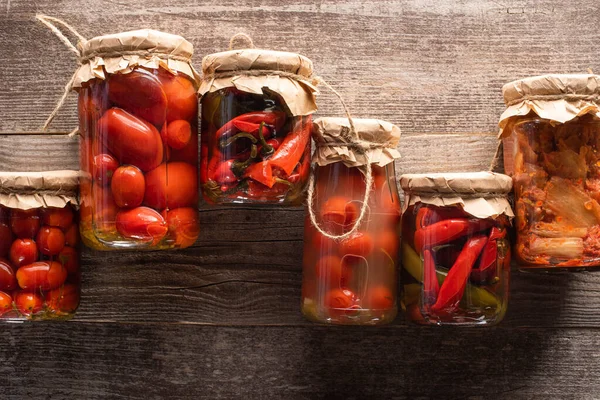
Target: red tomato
point(60, 217)
point(181, 96)
point(7, 276)
point(69, 258)
point(358, 244)
point(322, 244)
point(339, 300)
point(329, 269)
point(130, 139)
point(23, 252)
point(64, 299)
point(5, 303)
point(179, 133)
point(6, 238)
point(189, 153)
point(184, 226)
point(25, 223)
point(142, 223)
point(128, 186)
point(28, 303)
point(172, 185)
point(338, 213)
point(103, 168)
point(140, 93)
point(72, 236)
point(379, 298)
point(44, 275)
point(388, 241)
point(50, 240)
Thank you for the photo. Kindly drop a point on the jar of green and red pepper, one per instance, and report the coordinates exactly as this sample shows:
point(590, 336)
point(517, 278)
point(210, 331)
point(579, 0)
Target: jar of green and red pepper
point(455, 248)
point(256, 126)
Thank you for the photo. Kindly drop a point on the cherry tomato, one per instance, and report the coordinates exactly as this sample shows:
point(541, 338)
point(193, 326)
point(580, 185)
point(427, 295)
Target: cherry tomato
point(358, 244)
point(338, 301)
point(6, 238)
point(7, 276)
point(329, 269)
point(338, 213)
point(181, 96)
point(60, 217)
point(179, 133)
point(130, 139)
point(172, 185)
point(23, 252)
point(69, 258)
point(44, 275)
point(128, 186)
point(64, 299)
point(28, 303)
point(72, 236)
point(50, 240)
point(189, 153)
point(388, 241)
point(103, 167)
point(379, 298)
point(6, 305)
point(140, 93)
point(184, 226)
point(25, 223)
point(323, 244)
point(142, 223)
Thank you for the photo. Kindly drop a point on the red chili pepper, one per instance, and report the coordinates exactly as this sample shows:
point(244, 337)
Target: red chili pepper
point(454, 285)
point(431, 286)
point(486, 268)
point(448, 230)
point(223, 173)
point(428, 215)
point(251, 121)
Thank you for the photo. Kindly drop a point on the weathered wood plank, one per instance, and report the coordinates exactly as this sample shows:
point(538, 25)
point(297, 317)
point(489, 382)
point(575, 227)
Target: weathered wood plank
point(128, 361)
point(429, 67)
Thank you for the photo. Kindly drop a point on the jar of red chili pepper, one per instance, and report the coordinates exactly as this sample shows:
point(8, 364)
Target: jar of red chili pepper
point(351, 234)
point(256, 126)
point(138, 115)
point(39, 245)
point(455, 248)
point(552, 137)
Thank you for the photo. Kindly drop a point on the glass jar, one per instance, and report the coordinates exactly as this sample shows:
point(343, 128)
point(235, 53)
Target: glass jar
point(551, 154)
point(139, 146)
point(455, 248)
point(352, 279)
point(256, 127)
point(39, 246)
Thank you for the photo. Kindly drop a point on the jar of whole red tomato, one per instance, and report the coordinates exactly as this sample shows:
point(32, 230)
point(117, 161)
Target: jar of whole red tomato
point(39, 245)
point(455, 248)
point(551, 131)
point(256, 126)
point(138, 114)
point(351, 234)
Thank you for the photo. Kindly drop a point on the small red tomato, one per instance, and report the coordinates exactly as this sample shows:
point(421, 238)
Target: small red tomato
point(6, 238)
point(339, 299)
point(189, 153)
point(44, 275)
point(172, 185)
point(69, 258)
point(25, 223)
point(23, 252)
point(28, 303)
point(184, 226)
point(6, 304)
point(72, 236)
point(7, 276)
point(329, 269)
point(323, 244)
point(358, 244)
point(50, 240)
point(128, 186)
point(64, 299)
point(60, 217)
point(104, 166)
point(339, 213)
point(388, 241)
point(182, 100)
point(179, 133)
point(379, 298)
point(142, 223)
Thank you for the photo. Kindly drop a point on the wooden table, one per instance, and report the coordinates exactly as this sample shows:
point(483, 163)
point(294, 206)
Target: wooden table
point(222, 319)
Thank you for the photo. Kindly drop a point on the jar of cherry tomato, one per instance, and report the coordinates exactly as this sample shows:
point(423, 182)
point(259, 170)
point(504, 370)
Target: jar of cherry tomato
point(138, 114)
point(39, 245)
point(256, 126)
point(351, 234)
point(551, 131)
point(455, 248)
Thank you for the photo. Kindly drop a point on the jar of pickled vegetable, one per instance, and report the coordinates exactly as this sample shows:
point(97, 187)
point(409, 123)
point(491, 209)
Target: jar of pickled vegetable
point(552, 138)
point(138, 117)
point(351, 234)
point(39, 245)
point(256, 126)
point(455, 248)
